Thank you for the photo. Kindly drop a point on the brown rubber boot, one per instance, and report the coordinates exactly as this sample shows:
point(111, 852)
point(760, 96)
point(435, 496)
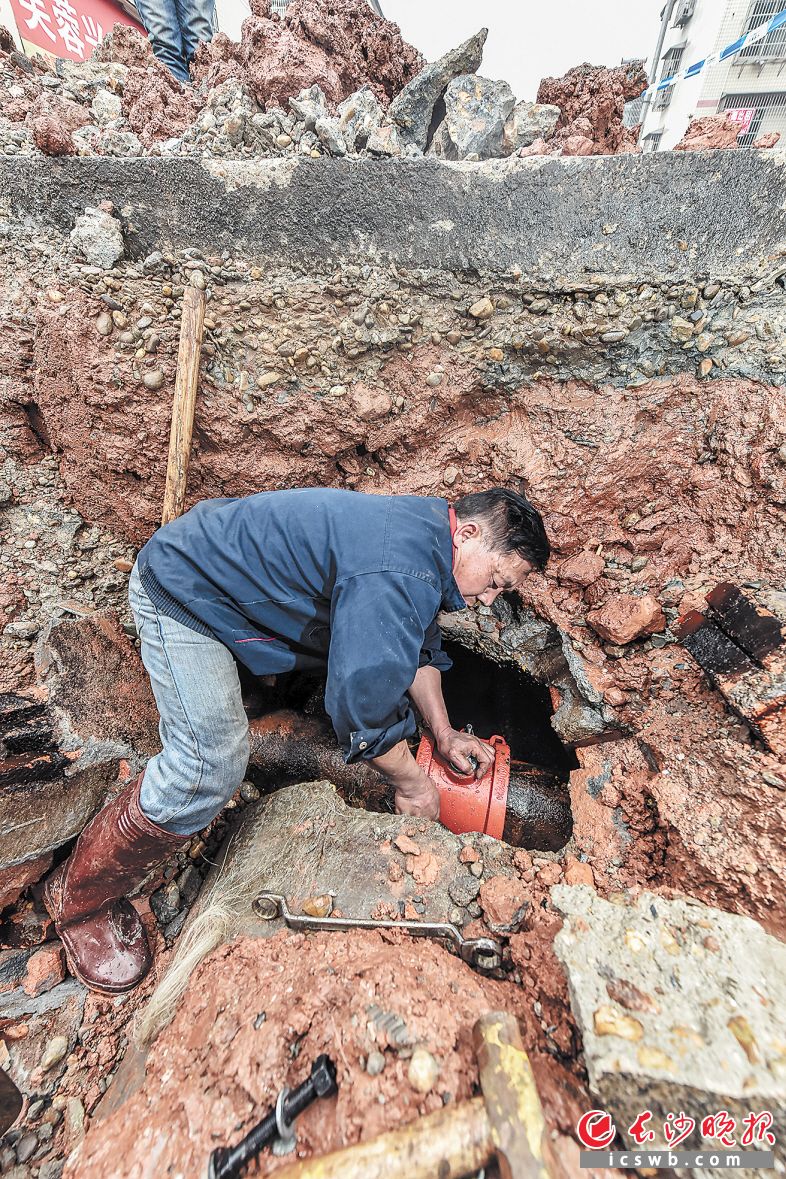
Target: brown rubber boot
point(102, 934)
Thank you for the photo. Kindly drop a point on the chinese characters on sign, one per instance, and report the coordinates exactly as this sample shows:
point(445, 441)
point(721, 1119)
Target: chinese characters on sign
point(596, 1129)
point(744, 115)
point(66, 28)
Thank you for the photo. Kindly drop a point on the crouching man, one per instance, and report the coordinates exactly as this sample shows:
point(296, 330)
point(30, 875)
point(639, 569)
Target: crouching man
point(282, 580)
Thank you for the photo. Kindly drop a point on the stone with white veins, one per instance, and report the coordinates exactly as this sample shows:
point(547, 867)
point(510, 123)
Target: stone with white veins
point(527, 122)
point(98, 236)
point(680, 1007)
point(413, 108)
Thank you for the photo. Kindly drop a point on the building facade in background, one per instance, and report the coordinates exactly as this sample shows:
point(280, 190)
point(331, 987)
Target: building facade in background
point(751, 85)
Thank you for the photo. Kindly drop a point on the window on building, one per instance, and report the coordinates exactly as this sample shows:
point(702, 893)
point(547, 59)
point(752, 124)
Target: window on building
point(671, 61)
point(652, 141)
point(684, 11)
point(631, 114)
point(774, 45)
point(768, 113)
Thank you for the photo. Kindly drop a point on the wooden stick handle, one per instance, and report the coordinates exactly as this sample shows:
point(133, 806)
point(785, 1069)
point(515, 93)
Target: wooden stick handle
point(453, 1141)
point(511, 1097)
point(186, 381)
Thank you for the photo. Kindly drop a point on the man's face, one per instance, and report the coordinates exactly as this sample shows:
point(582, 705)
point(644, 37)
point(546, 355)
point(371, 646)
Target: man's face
point(481, 573)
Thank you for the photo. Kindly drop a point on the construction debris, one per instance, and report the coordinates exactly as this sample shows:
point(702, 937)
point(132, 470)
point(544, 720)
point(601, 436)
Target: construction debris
point(591, 101)
point(742, 648)
point(377, 320)
point(713, 1037)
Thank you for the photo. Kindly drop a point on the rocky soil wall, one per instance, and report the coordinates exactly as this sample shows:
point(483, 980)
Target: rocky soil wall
point(585, 330)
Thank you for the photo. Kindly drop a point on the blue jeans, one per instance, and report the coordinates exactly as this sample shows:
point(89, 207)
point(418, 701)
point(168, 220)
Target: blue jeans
point(203, 728)
point(175, 28)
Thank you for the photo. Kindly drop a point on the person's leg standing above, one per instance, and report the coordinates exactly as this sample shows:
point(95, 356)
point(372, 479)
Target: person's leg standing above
point(162, 24)
point(204, 733)
point(196, 24)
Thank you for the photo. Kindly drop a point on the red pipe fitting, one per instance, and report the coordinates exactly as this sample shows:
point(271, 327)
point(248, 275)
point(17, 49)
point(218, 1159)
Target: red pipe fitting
point(469, 803)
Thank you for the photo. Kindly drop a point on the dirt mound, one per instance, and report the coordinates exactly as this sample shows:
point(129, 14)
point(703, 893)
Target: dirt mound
point(592, 100)
point(256, 1015)
point(339, 45)
point(126, 46)
point(709, 132)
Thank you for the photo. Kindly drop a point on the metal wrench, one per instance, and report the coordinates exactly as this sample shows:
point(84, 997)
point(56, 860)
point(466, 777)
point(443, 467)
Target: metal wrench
point(481, 953)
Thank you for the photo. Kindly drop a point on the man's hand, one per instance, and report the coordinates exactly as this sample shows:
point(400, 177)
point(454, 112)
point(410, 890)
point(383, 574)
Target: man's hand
point(421, 798)
point(416, 794)
point(456, 747)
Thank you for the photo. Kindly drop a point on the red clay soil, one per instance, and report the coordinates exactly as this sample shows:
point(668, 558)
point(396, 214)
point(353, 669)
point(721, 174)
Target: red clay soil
point(339, 45)
point(685, 798)
point(592, 100)
point(52, 119)
point(258, 1012)
point(710, 132)
point(153, 101)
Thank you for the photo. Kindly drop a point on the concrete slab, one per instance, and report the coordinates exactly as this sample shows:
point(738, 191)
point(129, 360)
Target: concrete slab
point(562, 221)
point(681, 1007)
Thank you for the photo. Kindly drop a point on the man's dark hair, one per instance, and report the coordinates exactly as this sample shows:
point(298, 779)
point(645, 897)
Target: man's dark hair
point(513, 525)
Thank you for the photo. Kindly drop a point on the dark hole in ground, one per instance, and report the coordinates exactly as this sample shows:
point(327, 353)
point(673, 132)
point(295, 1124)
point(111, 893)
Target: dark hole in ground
point(494, 698)
point(501, 698)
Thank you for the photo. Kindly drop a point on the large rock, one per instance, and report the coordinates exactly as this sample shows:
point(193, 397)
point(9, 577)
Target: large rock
point(366, 870)
point(65, 758)
point(626, 617)
point(359, 117)
point(309, 106)
point(413, 108)
point(709, 132)
point(681, 1007)
point(529, 121)
point(99, 237)
point(339, 44)
point(591, 100)
point(476, 111)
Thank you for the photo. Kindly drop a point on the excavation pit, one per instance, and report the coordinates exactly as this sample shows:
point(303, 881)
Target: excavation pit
point(292, 741)
point(630, 381)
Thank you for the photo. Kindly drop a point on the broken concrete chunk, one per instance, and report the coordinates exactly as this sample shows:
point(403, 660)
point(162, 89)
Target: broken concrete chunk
point(413, 108)
point(309, 106)
point(330, 136)
point(476, 110)
point(669, 1022)
point(106, 106)
point(98, 236)
point(358, 117)
point(528, 122)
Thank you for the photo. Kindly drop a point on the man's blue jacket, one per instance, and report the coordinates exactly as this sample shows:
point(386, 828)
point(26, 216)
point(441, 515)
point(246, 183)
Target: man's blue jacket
point(313, 578)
